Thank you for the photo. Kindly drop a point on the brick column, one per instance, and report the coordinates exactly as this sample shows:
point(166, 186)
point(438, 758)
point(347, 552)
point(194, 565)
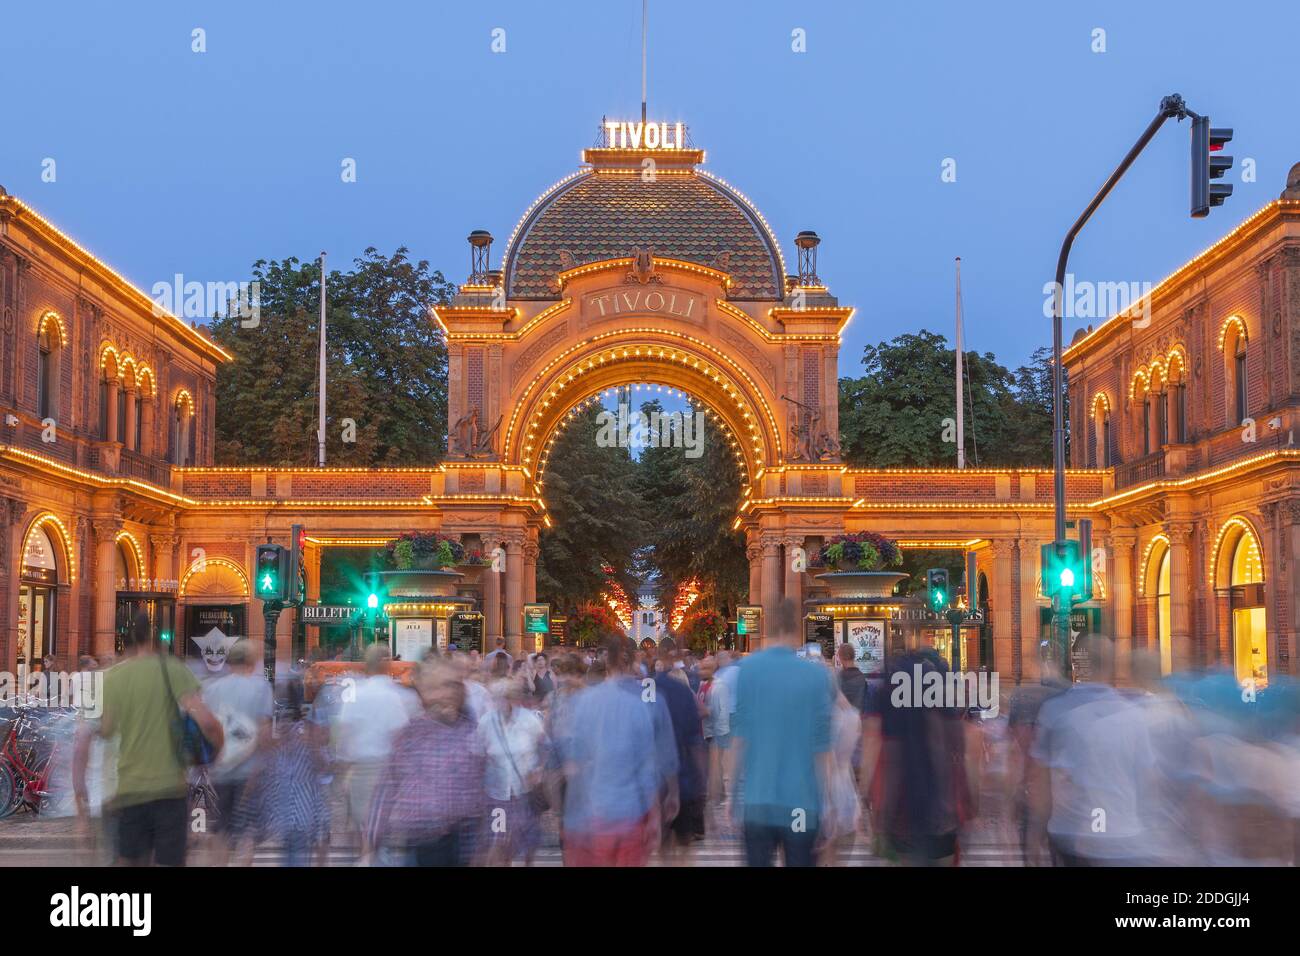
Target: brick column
point(113, 386)
point(106, 530)
point(1180, 618)
point(514, 592)
point(164, 558)
point(491, 595)
point(531, 552)
point(1120, 581)
point(793, 578)
point(754, 552)
point(1001, 607)
point(130, 418)
point(1030, 623)
point(771, 545)
point(15, 515)
point(312, 556)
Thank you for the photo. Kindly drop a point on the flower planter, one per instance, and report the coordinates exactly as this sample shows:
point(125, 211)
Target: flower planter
point(420, 583)
point(845, 585)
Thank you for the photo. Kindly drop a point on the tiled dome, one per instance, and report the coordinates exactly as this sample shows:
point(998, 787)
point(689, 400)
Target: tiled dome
point(598, 215)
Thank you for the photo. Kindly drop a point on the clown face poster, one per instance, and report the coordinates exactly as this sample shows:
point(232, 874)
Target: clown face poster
point(210, 632)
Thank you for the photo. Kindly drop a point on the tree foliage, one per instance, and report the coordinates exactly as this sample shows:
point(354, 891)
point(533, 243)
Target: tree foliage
point(386, 366)
point(901, 411)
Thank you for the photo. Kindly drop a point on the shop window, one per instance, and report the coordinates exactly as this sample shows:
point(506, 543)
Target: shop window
point(1249, 619)
point(36, 601)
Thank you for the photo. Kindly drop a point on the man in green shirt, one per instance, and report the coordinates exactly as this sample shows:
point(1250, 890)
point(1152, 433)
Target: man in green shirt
point(151, 805)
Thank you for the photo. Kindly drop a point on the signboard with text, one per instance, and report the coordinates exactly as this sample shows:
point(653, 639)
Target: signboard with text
point(749, 621)
point(537, 618)
point(868, 641)
point(467, 631)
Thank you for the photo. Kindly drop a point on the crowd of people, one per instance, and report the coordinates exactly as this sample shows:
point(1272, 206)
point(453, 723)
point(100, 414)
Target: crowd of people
point(623, 757)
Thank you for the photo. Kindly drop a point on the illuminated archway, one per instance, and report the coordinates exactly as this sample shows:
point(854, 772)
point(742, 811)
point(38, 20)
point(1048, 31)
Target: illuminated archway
point(50, 524)
point(642, 355)
point(133, 561)
point(214, 576)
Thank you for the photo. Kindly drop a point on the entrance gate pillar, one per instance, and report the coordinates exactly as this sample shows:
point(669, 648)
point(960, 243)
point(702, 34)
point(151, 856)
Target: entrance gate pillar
point(793, 578)
point(514, 592)
point(754, 552)
point(1003, 619)
point(491, 601)
point(771, 591)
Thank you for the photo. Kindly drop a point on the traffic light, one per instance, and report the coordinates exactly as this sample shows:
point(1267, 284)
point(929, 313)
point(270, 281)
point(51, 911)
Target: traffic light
point(296, 579)
point(939, 596)
point(1208, 162)
point(1063, 571)
point(372, 601)
point(271, 583)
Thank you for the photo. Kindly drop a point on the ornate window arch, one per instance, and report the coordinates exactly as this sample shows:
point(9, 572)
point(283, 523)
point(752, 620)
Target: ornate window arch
point(51, 337)
point(1100, 442)
point(1233, 342)
point(182, 428)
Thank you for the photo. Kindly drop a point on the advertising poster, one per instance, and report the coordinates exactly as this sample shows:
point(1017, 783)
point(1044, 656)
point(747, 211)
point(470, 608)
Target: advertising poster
point(868, 641)
point(412, 638)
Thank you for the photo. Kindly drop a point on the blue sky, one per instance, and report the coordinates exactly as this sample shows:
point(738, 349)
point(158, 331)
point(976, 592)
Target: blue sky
point(172, 161)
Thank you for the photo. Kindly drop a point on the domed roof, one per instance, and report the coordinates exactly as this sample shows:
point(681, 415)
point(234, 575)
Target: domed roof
point(686, 214)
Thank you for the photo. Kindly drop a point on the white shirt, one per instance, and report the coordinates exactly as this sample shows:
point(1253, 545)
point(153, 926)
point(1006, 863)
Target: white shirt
point(370, 717)
point(522, 733)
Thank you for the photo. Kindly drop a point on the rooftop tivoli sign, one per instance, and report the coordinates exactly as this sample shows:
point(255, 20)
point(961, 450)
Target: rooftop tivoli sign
point(620, 135)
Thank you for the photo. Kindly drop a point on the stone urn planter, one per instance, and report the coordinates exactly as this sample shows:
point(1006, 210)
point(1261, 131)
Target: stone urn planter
point(861, 585)
point(420, 583)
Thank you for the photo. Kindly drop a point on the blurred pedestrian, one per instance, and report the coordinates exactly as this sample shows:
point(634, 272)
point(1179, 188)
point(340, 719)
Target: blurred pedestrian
point(431, 796)
point(783, 734)
point(514, 740)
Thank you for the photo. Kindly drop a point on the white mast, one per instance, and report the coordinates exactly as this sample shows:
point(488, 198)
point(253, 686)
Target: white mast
point(961, 405)
point(645, 15)
point(320, 432)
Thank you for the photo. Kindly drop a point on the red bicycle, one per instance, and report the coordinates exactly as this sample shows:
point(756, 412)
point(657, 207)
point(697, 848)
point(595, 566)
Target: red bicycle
point(27, 758)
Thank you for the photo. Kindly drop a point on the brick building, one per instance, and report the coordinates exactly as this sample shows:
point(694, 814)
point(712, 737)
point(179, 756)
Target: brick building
point(112, 503)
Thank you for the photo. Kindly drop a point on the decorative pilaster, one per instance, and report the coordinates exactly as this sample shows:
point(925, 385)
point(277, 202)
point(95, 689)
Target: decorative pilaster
point(106, 529)
point(1180, 624)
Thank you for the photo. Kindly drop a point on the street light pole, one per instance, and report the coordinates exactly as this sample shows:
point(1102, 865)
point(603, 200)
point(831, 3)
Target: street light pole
point(1171, 106)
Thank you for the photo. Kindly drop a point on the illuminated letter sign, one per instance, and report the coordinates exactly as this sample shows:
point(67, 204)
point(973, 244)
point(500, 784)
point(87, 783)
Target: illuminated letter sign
point(642, 135)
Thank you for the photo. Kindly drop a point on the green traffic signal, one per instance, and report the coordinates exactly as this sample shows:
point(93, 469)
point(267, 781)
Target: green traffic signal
point(936, 580)
point(372, 601)
point(1063, 571)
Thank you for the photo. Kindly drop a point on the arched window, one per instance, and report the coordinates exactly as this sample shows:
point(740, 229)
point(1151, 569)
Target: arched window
point(37, 604)
point(1249, 618)
point(1239, 379)
point(1232, 341)
point(1099, 442)
point(183, 429)
point(47, 371)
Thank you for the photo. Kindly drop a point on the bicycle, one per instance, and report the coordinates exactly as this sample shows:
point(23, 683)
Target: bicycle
point(27, 758)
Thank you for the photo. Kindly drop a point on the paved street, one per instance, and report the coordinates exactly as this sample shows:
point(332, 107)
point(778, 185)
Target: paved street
point(28, 840)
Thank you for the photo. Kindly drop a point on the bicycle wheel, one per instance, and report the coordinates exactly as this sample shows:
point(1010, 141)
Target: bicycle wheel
point(9, 792)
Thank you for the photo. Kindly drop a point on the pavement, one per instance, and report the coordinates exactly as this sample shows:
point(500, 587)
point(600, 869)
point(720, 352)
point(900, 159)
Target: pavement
point(27, 839)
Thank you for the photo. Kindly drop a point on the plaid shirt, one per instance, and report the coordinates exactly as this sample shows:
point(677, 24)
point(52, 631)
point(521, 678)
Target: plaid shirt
point(433, 781)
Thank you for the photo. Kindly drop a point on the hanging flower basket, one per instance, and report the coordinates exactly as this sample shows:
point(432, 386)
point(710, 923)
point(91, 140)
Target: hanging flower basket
point(702, 630)
point(860, 551)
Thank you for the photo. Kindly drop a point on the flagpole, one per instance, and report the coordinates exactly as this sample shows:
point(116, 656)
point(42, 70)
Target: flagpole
point(645, 15)
point(961, 405)
point(320, 431)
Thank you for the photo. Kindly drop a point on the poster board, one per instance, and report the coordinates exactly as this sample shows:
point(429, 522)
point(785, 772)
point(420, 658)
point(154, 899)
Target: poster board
point(411, 637)
point(868, 641)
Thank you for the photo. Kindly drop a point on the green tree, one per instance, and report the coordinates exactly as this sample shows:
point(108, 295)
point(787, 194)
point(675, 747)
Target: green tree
point(591, 497)
point(902, 409)
point(690, 507)
point(385, 358)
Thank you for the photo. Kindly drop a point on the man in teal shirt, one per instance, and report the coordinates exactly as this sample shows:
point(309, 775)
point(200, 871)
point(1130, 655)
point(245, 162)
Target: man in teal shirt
point(783, 729)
